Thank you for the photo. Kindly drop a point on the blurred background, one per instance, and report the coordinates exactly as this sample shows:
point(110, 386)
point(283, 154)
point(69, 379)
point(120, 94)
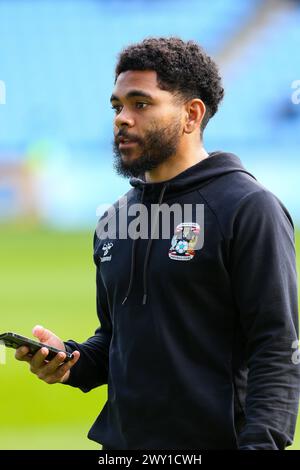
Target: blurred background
point(57, 61)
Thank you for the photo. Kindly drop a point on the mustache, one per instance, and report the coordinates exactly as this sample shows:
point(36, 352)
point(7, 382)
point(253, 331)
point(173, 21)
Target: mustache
point(124, 135)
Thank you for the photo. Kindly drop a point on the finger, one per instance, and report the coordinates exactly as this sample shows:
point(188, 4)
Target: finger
point(53, 365)
point(42, 333)
point(63, 369)
point(57, 363)
point(21, 354)
point(38, 359)
point(55, 369)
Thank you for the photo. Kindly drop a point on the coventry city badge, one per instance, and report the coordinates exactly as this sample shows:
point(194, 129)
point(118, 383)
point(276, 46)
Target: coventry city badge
point(184, 241)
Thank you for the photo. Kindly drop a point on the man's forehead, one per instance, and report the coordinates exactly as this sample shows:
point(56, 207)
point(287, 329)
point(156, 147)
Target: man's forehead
point(145, 80)
point(134, 77)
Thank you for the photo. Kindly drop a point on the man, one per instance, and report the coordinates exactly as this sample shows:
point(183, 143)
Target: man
point(196, 341)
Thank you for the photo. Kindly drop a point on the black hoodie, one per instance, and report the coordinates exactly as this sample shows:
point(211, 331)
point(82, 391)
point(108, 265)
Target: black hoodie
point(198, 346)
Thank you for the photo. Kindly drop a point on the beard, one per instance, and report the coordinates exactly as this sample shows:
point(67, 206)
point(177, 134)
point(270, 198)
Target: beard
point(157, 146)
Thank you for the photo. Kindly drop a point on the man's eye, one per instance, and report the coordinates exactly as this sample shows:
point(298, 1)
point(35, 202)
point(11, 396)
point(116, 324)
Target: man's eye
point(117, 109)
point(141, 105)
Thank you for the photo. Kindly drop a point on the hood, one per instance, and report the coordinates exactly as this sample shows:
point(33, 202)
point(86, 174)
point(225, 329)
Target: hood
point(214, 166)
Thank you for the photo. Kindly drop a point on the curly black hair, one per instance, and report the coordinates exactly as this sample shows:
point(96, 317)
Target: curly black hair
point(182, 68)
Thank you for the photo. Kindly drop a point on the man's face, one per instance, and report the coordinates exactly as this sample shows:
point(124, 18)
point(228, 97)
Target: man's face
point(147, 125)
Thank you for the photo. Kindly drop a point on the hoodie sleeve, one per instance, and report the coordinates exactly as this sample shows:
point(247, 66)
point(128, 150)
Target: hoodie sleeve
point(91, 370)
point(264, 283)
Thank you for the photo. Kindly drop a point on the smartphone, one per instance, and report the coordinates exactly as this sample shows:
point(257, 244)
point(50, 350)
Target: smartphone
point(12, 340)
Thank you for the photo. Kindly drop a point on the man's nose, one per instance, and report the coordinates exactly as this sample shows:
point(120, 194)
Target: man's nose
point(124, 118)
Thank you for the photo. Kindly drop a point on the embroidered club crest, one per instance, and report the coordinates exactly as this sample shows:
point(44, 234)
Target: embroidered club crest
point(184, 241)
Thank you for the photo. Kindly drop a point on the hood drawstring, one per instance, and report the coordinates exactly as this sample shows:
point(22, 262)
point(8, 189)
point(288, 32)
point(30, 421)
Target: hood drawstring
point(150, 243)
point(148, 249)
point(133, 259)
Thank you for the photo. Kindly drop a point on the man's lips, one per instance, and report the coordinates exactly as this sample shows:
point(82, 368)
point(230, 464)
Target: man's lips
point(126, 142)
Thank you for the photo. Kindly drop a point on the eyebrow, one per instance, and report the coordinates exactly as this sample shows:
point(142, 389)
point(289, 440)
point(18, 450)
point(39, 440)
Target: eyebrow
point(132, 94)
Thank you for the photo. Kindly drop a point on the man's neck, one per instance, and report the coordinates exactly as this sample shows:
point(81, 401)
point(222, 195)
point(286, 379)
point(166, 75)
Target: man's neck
point(174, 166)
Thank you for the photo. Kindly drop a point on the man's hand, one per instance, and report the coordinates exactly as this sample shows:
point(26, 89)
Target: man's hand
point(53, 371)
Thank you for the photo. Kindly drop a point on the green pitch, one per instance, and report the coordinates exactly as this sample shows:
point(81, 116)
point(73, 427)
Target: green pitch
point(48, 278)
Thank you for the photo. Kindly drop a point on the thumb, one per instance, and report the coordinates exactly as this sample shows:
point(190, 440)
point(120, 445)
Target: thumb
point(42, 333)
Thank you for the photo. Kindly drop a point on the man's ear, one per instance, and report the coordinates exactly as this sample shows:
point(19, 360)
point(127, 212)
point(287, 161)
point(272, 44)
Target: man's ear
point(194, 113)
